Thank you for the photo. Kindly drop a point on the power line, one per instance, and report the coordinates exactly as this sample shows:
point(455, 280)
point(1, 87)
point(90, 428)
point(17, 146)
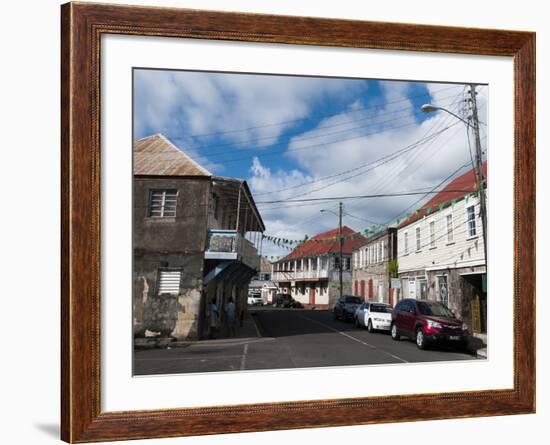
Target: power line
point(404, 111)
point(321, 116)
point(411, 161)
point(380, 195)
point(273, 153)
point(324, 178)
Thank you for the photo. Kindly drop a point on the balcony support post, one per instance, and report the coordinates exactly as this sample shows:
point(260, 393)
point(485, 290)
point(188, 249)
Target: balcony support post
point(238, 210)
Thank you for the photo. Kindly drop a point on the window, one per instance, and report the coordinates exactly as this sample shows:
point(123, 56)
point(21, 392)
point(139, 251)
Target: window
point(449, 228)
point(216, 200)
point(381, 252)
point(406, 242)
point(169, 282)
point(162, 203)
point(443, 289)
point(432, 234)
point(347, 264)
point(471, 221)
point(418, 243)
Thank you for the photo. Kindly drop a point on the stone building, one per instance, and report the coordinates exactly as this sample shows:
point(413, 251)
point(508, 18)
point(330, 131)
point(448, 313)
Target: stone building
point(441, 252)
point(190, 244)
point(371, 266)
point(311, 272)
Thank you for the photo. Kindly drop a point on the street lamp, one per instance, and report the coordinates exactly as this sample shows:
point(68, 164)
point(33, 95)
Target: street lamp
point(341, 241)
point(429, 108)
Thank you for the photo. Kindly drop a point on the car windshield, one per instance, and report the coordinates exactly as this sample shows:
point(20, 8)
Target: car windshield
point(435, 309)
point(353, 300)
point(380, 308)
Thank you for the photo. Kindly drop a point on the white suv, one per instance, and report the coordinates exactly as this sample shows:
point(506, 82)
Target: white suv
point(255, 300)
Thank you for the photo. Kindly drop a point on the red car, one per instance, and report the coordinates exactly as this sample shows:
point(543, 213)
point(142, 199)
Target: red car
point(427, 322)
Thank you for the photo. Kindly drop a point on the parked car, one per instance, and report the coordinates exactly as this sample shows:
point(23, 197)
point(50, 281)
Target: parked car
point(345, 307)
point(427, 322)
point(285, 300)
point(373, 316)
point(255, 300)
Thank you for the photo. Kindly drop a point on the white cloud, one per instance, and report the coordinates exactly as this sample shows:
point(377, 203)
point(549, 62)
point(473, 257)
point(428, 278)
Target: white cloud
point(180, 104)
point(204, 103)
point(421, 168)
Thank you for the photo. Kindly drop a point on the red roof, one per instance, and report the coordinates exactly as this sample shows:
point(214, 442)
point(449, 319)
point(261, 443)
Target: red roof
point(323, 243)
point(456, 189)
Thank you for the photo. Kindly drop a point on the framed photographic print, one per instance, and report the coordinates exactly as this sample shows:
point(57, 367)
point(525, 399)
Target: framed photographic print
point(277, 222)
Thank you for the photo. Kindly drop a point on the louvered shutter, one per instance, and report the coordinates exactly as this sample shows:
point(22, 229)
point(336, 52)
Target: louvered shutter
point(169, 282)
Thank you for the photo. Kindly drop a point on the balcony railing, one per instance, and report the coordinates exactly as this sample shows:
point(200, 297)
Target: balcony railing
point(231, 245)
point(300, 275)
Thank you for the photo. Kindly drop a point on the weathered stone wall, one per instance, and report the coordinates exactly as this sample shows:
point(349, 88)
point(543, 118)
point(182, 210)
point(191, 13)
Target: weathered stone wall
point(379, 276)
point(364, 269)
point(169, 243)
point(167, 315)
point(461, 292)
point(184, 233)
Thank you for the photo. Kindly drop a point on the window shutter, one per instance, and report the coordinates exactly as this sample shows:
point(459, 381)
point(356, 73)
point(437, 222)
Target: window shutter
point(169, 282)
point(162, 203)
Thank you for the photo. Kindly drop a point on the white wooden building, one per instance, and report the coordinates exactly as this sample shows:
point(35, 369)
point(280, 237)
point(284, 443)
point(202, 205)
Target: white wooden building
point(441, 252)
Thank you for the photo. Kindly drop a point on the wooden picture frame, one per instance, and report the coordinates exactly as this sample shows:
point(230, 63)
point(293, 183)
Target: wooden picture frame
point(82, 26)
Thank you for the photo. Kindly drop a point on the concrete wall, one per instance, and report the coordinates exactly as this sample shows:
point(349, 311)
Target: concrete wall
point(169, 243)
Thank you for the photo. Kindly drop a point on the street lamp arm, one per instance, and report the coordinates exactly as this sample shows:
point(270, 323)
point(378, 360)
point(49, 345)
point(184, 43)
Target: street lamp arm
point(327, 210)
point(428, 108)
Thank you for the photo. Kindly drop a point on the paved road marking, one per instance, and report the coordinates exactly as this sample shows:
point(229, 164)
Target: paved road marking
point(255, 325)
point(171, 358)
point(355, 339)
point(243, 359)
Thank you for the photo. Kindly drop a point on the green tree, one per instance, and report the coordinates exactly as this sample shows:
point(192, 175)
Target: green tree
point(393, 269)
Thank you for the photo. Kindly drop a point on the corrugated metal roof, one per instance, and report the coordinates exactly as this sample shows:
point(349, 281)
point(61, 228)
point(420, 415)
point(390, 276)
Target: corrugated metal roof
point(321, 244)
point(157, 156)
point(456, 189)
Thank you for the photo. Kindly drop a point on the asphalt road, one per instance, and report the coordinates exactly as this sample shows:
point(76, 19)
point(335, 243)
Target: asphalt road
point(289, 338)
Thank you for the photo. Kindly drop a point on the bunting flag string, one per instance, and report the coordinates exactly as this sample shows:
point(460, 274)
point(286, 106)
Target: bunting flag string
point(330, 242)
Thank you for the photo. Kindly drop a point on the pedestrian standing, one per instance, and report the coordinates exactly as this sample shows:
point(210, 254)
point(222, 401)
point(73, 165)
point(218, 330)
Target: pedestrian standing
point(214, 317)
point(230, 317)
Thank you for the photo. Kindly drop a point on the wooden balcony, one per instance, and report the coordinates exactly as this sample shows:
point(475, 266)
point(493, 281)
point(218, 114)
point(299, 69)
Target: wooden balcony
point(227, 245)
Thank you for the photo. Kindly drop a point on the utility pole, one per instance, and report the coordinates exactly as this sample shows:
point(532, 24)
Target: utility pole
point(479, 168)
point(341, 238)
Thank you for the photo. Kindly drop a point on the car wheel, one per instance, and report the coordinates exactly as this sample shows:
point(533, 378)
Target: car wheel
point(369, 327)
point(357, 324)
point(420, 339)
point(394, 334)
point(335, 315)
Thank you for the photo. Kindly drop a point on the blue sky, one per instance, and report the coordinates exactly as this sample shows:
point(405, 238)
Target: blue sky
point(309, 137)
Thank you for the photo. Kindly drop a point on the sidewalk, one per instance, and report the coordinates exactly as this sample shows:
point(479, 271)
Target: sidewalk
point(248, 331)
point(481, 352)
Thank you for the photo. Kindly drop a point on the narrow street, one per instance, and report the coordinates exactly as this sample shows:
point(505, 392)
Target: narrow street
point(288, 338)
